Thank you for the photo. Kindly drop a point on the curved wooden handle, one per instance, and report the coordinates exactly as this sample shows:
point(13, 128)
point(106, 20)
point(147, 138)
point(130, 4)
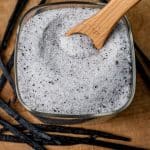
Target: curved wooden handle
point(106, 19)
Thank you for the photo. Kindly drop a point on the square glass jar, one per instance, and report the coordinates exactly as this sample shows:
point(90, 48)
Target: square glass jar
point(39, 9)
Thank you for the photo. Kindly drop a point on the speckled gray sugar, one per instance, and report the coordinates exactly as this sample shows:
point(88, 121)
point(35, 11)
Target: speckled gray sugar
point(67, 75)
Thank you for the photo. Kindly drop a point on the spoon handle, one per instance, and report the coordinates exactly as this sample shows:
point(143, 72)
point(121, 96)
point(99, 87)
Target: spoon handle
point(106, 19)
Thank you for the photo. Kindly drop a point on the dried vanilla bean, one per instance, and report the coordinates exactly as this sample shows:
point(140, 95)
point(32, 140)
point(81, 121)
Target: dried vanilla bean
point(24, 122)
point(11, 23)
point(7, 75)
point(9, 66)
point(68, 140)
point(73, 130)
point(21, 135)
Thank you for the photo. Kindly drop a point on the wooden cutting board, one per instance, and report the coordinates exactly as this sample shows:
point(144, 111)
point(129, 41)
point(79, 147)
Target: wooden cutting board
point(134, 122)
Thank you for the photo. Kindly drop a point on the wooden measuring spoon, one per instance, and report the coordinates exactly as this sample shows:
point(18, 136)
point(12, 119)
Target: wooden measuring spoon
point(99, 26)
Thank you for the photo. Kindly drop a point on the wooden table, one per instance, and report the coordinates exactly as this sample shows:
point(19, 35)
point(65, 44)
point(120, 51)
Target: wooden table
point(134, 122)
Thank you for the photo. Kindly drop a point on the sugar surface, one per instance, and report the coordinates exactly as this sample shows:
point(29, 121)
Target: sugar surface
point(67, 75)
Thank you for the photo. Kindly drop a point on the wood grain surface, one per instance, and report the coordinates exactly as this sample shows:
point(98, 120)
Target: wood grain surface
point(134, 122)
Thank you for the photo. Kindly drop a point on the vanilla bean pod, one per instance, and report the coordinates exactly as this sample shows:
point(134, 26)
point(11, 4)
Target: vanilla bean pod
point(11, 23)
point(25, 123)
point(7, 75)
point(9, 66)
point(89, 141)
point(68, 140)
point(20, 4)
point(116, 146)
point(11, 138)
point(81, 131)
point(65, 140)
point(21, 135)
point(3, 130)
point(73, 130)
